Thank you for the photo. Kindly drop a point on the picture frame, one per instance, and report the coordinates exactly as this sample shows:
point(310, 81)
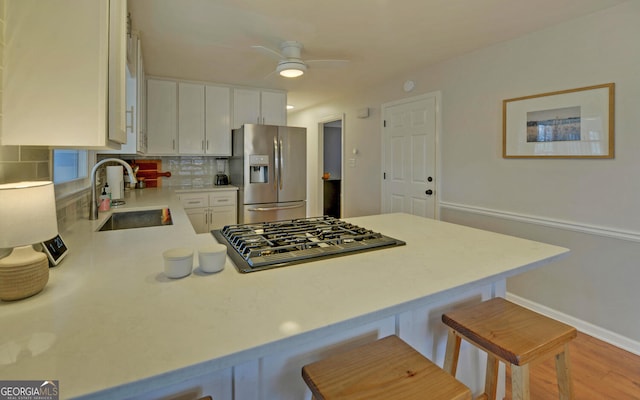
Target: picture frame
point(573, 123)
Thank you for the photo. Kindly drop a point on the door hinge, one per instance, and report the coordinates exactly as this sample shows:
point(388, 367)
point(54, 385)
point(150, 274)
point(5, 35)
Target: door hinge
point(384, 175)
point(384, 123)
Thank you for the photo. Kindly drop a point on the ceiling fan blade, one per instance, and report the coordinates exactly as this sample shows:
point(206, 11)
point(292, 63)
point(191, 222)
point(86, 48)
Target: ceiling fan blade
point(327, 63)
point(268, 52)
point(270, 75)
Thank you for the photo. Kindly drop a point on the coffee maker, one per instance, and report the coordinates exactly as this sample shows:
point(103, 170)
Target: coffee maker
point(221, 177)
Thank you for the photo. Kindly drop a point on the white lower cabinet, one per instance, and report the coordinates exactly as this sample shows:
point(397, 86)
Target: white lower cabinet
point(280, 376)
point(210, 210)
point(277, 375)
point(218, 385)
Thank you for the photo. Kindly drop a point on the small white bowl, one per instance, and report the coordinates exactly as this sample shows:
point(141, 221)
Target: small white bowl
point(212, 257)
point(178, 262)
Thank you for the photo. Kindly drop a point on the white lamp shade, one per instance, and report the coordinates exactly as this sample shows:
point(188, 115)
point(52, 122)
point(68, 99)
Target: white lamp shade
point(27, 213)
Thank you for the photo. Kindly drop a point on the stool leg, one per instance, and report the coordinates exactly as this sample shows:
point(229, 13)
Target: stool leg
point(564, 374)
point(452, 353)
point(520, 382)
point(491, 377)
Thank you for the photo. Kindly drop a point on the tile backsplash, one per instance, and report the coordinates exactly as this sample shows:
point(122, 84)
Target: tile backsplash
point(30, 163)
point(24, 163)
point(188, 171)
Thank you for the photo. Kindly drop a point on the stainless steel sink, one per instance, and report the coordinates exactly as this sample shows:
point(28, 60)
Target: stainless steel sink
point(137, 219)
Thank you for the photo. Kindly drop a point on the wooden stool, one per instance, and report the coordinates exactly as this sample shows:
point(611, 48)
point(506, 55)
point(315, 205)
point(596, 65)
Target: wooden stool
point(386, 369)
point(514, 335)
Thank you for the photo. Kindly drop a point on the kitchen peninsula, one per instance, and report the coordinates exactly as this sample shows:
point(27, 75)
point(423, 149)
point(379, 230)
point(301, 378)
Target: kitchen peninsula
point(110, 325)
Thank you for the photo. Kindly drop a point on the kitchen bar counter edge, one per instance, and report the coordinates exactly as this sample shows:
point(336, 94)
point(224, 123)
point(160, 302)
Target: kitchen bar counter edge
point(110, 325)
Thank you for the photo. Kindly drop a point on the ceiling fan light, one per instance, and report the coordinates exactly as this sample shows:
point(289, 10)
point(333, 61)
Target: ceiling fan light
point(291, 69)
point(291, 73)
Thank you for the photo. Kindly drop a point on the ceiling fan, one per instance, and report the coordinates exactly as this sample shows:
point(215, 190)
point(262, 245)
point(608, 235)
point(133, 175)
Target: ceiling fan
point(290, 64)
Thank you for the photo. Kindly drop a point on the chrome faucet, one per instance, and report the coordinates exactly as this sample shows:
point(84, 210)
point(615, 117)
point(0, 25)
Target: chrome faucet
point(93, 205)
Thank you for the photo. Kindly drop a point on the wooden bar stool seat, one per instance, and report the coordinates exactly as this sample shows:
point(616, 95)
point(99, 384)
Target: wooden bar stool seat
point(386, 369)
point(514, 335)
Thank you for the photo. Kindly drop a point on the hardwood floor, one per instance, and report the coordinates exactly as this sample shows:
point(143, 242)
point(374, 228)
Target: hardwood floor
point(599, 372)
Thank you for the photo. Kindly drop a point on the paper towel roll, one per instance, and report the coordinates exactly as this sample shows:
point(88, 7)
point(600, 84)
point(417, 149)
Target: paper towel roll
point(116, 181)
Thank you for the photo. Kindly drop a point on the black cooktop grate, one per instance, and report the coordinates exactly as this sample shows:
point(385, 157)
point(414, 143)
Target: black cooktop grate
point(265, 245)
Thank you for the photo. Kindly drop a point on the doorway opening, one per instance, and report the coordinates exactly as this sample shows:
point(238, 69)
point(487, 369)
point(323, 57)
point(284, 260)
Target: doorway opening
point(332, 183)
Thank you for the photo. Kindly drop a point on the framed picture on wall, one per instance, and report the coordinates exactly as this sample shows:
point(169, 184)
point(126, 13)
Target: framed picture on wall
point(574, 123)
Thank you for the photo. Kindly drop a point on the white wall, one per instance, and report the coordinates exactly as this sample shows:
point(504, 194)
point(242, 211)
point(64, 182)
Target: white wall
point(589, 206)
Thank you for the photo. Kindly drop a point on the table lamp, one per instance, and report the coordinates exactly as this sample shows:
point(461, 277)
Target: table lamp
point(27, 217)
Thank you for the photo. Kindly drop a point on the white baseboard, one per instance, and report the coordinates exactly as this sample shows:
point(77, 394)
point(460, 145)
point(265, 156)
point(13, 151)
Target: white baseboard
point(625, 343)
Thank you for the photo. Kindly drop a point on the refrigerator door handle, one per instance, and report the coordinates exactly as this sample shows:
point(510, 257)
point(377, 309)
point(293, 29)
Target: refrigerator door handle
point(281, 165)
point(276, 208)
point(276, 161)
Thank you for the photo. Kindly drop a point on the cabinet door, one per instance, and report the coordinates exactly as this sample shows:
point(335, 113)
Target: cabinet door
point(161, 116)
point(218, 120)
point(141, 146)
point(61, 78)
point(221, 216)
point(117, 70)
point(131, 118)
point(218, 385)
point(282, 379)
point(191, 118)
point(199, 218)
point(246, 107)
point(274, 108)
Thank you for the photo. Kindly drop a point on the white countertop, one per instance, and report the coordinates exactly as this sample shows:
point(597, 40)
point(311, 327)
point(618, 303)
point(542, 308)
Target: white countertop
point(110, 317)
point(205, 188)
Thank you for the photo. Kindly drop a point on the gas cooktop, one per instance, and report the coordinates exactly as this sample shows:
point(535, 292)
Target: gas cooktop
point(259, 246)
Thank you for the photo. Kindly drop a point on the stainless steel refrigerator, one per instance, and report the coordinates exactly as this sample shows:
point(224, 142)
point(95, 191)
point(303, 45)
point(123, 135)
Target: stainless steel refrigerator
point(269, 165)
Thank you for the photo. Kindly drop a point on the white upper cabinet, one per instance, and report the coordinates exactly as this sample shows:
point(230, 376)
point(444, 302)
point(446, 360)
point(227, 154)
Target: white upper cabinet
point(134, 117)
point(141, 146)
point(273, 107)
point(218, 120)
point(252, 106)
point(64, 73)
point(191, 118)
point(203, 118)
point(141, 114)
point(246, 107)
point(194, 118)
point(162, 113)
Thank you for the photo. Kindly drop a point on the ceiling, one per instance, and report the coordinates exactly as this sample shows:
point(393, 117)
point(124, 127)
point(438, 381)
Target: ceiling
point(210, 40)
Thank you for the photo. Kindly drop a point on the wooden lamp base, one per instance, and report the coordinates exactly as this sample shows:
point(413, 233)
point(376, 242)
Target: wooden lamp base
point(23, 273)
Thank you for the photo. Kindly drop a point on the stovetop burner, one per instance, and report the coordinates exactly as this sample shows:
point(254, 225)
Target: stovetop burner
point(254, 247)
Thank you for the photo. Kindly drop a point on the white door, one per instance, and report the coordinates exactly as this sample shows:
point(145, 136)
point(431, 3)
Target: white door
point(409, 156)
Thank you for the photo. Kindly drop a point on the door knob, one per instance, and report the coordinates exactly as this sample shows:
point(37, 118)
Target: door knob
point(428, 192)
